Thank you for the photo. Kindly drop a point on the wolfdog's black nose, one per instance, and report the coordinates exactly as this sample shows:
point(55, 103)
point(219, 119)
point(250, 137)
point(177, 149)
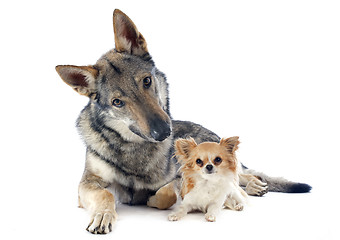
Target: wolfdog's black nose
point(159, 130)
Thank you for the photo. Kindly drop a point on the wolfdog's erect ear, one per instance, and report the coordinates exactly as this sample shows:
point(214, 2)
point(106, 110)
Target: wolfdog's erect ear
point(81, 79)
point(127, 37)
point(184, 147)
point(230, 143)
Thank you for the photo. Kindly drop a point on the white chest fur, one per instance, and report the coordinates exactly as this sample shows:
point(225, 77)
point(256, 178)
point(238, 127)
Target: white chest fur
point(210, 190)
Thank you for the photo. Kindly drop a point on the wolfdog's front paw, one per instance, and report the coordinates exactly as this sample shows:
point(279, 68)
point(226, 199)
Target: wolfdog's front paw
point(256, 187)
point(101, 223)
point(210, 217)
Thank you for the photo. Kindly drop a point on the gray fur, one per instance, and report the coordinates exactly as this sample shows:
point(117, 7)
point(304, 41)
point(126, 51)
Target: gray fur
point(279, 184)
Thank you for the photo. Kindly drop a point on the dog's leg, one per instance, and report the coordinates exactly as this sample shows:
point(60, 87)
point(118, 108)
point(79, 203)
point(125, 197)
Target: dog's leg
point(232, 204)
point(212, 211)
point(237, 200)
point(254, 186)
point(180, 211)
point(165, 197)
point(99, 202)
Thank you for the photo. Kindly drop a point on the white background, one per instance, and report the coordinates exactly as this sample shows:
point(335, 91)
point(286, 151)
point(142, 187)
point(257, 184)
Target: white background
point(267, 71)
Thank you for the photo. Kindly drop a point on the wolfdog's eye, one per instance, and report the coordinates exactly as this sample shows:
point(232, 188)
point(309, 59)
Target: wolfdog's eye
point(199, 162)
point(217, 160)
point(147, 82)
point(117, 103)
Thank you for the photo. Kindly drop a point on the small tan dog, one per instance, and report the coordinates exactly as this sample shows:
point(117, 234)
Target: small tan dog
point(209, 178)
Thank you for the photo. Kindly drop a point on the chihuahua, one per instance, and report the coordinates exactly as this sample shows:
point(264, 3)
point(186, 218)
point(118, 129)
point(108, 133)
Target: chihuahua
point(209, 178)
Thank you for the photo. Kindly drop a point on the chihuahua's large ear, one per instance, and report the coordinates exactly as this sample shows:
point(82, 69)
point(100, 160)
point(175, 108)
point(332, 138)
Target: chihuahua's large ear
point(127, 37)
point(81, 79)
point(230, 143)
point(184, 147)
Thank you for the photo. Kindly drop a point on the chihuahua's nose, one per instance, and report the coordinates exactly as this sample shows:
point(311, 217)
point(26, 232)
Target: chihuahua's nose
point(209, 167)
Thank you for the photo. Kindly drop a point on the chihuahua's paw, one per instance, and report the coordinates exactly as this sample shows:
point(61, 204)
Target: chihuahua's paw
point(239, 207)
point(210, 217)
point(233, 204)
point(101, 223)
point(173, 217)
point(256, 187)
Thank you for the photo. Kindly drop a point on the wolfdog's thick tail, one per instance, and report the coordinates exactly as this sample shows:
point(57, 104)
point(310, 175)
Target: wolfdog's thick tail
point(278, 184)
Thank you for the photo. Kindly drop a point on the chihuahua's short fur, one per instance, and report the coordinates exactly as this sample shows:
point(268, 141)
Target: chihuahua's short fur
point(209, 178)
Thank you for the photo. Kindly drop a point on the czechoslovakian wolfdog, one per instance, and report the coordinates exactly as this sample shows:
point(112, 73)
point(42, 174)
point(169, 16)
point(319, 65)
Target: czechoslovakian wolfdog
point(129, 132)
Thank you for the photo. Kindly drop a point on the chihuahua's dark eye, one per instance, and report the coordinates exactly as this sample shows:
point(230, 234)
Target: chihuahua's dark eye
point(117, 103)
point(217, 160)
point(147, 82)
point(199, 162)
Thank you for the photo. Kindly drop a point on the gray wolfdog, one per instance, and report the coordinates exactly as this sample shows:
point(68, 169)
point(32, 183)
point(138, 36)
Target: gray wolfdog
point(129, 132)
